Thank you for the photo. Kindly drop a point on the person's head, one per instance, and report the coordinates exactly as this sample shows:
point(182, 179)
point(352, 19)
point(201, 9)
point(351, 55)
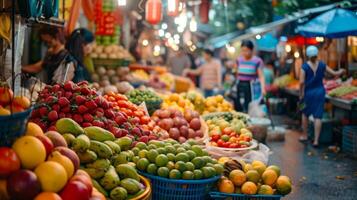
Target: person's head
point(79, 43)
point(52, 36)
point(270, 64)
point(311, 53)
point(247, 48)
point(207, 54)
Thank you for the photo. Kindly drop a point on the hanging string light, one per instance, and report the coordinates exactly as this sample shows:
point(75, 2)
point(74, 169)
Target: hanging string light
point(153, 13)
point(173, 7)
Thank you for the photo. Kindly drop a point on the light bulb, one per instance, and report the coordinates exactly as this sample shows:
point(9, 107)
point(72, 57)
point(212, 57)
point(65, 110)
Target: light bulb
point(121, 2)
point(145, 43)
point(193, 25)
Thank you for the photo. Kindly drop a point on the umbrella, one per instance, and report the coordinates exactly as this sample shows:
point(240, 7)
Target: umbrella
point(335, 23)
point(267, 43)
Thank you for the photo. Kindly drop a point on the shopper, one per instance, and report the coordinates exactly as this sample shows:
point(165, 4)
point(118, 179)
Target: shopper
point(249, 70)
point(268, 71)
point(179, 62)
point(79, 45)
point(56, 57)
point(210, 72)
point(312, 91)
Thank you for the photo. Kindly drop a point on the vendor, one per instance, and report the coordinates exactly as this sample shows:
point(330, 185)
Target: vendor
point(312, 91)
point(55, 58)
point(249, 69)
point(179, 62)
point(210, 72)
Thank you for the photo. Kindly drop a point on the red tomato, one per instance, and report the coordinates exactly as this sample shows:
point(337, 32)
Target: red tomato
point(226, 144)
point(145, 119)
point(220, 143)
point(233, 145)
point(215, 137)
point(9, 160)
point(247, 139)
point(233, 134)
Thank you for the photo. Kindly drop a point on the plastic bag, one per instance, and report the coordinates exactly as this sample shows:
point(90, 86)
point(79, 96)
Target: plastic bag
point(256, 109)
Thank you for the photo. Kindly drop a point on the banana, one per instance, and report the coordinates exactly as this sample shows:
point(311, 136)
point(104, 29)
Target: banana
point(99, 187)
point(101, 149)
point(5, 27)
point(95, 173)
point(98, 134)
point(110, 179)
point(100, 164)
point(114, 146)
point(87, 157)
point(81, 143)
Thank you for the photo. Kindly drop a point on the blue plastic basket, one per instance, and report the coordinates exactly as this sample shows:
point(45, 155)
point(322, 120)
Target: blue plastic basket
point(172, 189)
point(349, 140)
point(220, 195)
point(13, 126)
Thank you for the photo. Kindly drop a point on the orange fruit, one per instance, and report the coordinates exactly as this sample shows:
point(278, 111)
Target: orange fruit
point(33, 129)
point(22, 101)
point(52, 176)
point(269, 177)
point(249, 188)
point(4, 111)
point(238, 177)
point(283, 185)
point(64, 161)
point(30, 150)
point(226, 186)
point(48, 196)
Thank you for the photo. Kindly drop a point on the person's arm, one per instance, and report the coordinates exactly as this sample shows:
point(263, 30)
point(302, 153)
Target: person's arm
point(302, 83)
point(219, 74)
point(195, 72)
point(33, 68)
point(262, 80)
point(335, 73)
point(188, 63)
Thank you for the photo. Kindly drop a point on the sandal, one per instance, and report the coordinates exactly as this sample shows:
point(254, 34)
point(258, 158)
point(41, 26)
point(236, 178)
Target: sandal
point(303, 139)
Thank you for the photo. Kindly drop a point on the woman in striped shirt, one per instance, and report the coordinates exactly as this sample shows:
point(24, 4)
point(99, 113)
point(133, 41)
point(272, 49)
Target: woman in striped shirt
point(249, 68)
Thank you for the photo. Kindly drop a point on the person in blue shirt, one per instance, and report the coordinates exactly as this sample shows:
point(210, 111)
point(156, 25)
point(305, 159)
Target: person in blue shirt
point(268, 72)
point(312, 91)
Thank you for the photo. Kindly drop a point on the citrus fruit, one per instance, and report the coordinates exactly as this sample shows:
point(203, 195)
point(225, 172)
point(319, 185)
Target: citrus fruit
point(175, 174)
point(198, 162)
point(142, 164)
point(151, 169)
point(52, 176)
point(33, 129)
point(198, 174)
point(21, 101)
point(253, 176)
point(161, 150)
point(265, 190)
point(142, 153)
point(275, 168)
point(188, 175)
point(141, 145)
point(249, 188)
point(180, 165)
point(182, 157)
point(219, 168)
point(151, 146)
point(269, 177)
point(190, 166)
point(223, 160)
point(48, 196)
point(170, 165)
point(186, 146)
point(283, 185)
point(136, 159)
point(136, 151)
point(180, 150)
point(247, 167)
point(161, 160)
point(170, 149)
point(197, 149)
point(207, 159)
point(208, 172)
point(238, 177)
point(163, 172)
point(191, 154)
point(4, 111)
point(151, 155)
point(64, 161)
point(171, 156)
point(259, 166)
point(226, 186)
point(30, 150)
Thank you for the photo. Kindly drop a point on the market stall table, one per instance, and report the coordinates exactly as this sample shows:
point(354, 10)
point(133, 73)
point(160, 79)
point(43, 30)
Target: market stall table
point(342, 105)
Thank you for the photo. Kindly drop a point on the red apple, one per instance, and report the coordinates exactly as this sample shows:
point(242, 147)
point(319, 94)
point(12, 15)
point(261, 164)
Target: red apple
point(23, 185)
point(46, 142)
point(84, 179)
point(75, 190)
point(195, 124)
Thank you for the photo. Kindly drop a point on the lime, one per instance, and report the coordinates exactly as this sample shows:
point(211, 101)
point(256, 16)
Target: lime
point(182, 157)
point(171, 156)
point(186, 146)
point(175, 174)
point(135, 150)
point(225, 138)
point(207, 159)
point(191, 154)
point(161, 160)
point(188, 175)
point(163, 172)
point(171, 141)
point(170, 165)
point(161, 150)
point(180, 150)
point(219, 168)
point(141, 145)
point(199, 162)
point(142, 164)
point(170, 149)
point(151, 155)
point(151, 146)
point(190, 166)
point(177, 146)
point(180, 165)
point(198, 174)
point(205, 153)
point(151, 169)
point(208, 172)
point(191, 142)
point(209, 165)
point(197, 149)
point(143, 153)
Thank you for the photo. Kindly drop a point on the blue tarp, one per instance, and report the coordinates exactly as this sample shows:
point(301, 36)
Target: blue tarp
point(267, 43)
point(335, 23)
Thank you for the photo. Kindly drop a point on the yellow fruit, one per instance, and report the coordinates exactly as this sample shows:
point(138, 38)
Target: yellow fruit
point(33, 129)
point(52, 176)
point(64, 161)
point(249, 188)
point(48, 196)
point(269, 177)
point(247, 167)
point(238, 177)
point(174, 97)
point(283, 185)
point(259, 166)
point(275, 168)
point(30, 150)
point(253, 176)
point(4, 111)
point(265, 190)
point(223, 160)
point(226, 186)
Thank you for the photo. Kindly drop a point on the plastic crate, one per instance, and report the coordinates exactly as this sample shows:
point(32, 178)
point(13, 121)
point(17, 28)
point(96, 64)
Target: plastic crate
point(326, 135)
point(220, 195)
point(172, 189)
point(349, 140)
point(13, 126)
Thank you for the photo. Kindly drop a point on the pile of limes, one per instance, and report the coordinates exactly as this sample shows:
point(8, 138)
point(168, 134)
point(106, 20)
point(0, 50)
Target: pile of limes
point(170, 159)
